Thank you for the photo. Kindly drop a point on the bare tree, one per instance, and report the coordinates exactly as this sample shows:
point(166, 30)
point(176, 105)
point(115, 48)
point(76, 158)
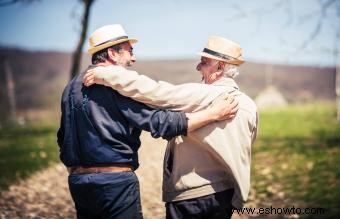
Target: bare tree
point(260, 11)
point(4, 3)
point(76, 58)
point(325, 6)
point(10, 88)
point(321, 15)
point(337, 90)
point(77, 54)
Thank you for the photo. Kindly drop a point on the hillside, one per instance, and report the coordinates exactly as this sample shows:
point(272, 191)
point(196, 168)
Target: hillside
point(296, 83)
point(39, 78)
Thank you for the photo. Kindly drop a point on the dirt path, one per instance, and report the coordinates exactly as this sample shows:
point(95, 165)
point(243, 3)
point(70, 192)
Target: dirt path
point(45, 194)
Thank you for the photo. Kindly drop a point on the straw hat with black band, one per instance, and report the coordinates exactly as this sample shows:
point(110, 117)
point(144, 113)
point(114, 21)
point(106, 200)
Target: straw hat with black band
point(222, 49)
point(107, 36)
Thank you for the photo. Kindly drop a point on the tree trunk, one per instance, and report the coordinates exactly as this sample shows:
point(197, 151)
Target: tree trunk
point(337, 90)
point(76, 58)
point(10, 85)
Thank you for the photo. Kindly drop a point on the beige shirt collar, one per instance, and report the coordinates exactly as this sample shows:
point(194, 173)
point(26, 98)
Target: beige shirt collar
point(226, 82)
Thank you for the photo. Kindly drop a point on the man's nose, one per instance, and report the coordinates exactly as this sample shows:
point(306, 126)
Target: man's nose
point(133, 58)
point(198, 67)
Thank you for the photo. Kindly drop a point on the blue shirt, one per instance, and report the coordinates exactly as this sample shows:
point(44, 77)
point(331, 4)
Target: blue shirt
point(100, 127)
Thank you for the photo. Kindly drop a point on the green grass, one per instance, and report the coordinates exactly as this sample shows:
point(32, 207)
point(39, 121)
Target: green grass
point(24, 150)
point(296, 159)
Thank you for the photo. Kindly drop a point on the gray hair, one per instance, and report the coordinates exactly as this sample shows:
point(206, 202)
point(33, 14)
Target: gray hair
point(231, 70)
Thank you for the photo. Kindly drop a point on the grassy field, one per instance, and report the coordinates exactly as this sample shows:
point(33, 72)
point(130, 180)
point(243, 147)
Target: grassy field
point(295, 162)
point(24, 150)
point(296, 159)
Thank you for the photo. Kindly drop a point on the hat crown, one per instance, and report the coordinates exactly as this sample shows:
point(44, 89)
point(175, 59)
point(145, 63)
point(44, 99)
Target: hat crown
point(224, 46)
point(106, 33)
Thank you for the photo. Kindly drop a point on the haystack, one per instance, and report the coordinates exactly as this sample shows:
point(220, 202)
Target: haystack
point(270, 98)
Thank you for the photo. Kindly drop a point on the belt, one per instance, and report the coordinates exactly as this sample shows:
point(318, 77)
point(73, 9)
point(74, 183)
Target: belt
point(106, 169)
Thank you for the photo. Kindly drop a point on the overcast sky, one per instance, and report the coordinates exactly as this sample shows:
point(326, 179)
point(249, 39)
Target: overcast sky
point(174, 29)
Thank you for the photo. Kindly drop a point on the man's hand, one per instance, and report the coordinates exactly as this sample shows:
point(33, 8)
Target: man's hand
point(89, 78)
point(99, 74)
point(224, 108)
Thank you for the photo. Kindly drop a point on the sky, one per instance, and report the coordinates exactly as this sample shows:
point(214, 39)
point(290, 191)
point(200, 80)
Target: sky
point(268, 31)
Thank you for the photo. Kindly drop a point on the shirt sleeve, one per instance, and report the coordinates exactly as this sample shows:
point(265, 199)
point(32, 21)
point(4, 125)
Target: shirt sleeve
point(60, 134)
point(188, 97)
point(61, 130)
point(159, 122)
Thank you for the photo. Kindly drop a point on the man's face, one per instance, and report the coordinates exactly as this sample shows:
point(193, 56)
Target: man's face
point(208, 68)
point(125, 56)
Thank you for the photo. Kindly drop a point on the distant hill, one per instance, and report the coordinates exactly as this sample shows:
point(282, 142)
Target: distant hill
point(296, 83)
point(40, 77)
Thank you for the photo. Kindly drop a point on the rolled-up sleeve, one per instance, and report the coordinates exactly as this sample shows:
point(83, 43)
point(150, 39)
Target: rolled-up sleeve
point(160, 123)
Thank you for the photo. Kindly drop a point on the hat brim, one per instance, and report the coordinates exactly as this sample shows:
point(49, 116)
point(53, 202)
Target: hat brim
point(95, 49)
point(234, 61)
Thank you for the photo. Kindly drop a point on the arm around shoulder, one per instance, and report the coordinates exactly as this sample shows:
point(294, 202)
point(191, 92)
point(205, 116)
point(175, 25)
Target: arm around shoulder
point(185, 97)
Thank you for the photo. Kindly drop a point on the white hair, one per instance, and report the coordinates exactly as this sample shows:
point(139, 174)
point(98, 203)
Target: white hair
point(231, 70)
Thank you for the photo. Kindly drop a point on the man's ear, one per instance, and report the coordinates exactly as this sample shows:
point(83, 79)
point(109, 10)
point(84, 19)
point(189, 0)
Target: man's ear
point(220, 68)
point(112, 54)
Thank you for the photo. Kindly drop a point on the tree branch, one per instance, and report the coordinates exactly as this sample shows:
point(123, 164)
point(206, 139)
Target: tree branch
point(84, 23)
point(323, 13)
point(7, 3)
point(12, 2)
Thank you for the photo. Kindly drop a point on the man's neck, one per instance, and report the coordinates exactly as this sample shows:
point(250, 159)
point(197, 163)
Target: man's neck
point(106, 63)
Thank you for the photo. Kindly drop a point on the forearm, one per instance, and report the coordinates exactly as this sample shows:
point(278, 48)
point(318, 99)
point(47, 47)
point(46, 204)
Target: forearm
point(160, 123)
point(198, 119)
point(188, 97)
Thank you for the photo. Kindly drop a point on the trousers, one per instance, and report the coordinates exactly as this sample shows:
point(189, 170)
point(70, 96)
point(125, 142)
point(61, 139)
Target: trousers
point(106, 195)
point(214, 206)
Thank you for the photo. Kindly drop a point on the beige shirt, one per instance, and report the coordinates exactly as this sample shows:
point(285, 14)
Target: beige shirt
point(211, 159)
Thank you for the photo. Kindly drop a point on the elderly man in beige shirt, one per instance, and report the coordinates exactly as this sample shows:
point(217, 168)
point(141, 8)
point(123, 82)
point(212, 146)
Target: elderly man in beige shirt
point(206, 173)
